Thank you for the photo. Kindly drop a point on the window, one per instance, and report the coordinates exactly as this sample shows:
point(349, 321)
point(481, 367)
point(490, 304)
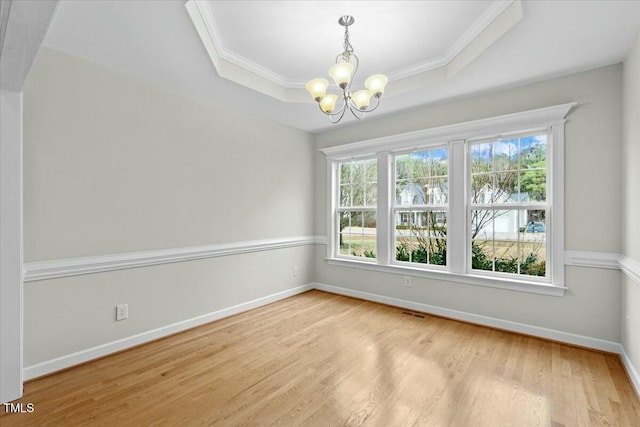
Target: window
point(508, 204)
point(420, 209)
point(356, 211)
point(456, 203)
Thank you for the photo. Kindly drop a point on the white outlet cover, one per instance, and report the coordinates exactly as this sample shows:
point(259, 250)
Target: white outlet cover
point(122, 311)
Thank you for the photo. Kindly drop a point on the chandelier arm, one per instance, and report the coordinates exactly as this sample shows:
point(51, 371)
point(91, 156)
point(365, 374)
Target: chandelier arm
point(356, 65)
point(343, 110)
point(358, 114)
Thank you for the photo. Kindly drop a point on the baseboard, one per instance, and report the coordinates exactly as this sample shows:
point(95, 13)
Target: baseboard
point(565, 337)
point(82, 356)
point(631, 370)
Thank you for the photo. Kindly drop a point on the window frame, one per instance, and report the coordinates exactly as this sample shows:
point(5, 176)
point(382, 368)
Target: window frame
point(547, 205)
point(395, 208)
point(337, 208)
point(457, 137)
point(334, 169)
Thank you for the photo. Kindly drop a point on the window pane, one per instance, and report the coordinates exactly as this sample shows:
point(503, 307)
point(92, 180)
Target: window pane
point(519, 170)
point(506, 187)
point(412, 193)
point(505, 155)
point(440, 162)
point(481, 158)
point(369, 235)
point(358, 194)
point(357, 185)
point(509, 241)
point(482, 240)
point(533, 152)
point(533, 255)
point(345, 195)
point(482, 188)
point(344, 218)
point(533, 183)
point(371, 171)
point(345, 173)
point(437, 191)
point(371, 194)
point(403, 167)
point(420, 237)
point(357, 236)
point(422, 178)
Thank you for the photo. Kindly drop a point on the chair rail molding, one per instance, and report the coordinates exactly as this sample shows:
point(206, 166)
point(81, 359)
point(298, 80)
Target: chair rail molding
point(608, 260)
point(630, 267)
point(43, 270)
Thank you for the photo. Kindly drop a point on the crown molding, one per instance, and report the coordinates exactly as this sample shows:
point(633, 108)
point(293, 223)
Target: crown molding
point(497, 20)
point(464, 42)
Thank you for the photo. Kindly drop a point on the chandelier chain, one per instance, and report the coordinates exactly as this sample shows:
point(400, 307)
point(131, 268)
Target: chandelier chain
point(347, 45)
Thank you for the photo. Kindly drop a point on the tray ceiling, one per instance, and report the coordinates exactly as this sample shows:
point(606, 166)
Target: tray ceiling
point(432, 50)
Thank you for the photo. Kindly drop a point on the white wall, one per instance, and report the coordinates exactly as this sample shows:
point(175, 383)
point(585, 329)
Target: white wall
point(631, 205)
point(112, 165)
point(591, 306)
point(11, 295)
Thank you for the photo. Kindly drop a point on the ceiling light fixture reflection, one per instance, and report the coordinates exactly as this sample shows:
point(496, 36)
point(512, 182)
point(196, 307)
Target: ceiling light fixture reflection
point(342, 73)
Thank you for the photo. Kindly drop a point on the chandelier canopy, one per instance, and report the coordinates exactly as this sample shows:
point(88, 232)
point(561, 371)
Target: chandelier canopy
point(342, 73)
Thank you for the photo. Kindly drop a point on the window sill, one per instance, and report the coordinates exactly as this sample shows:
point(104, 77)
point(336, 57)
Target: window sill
point(467, 279)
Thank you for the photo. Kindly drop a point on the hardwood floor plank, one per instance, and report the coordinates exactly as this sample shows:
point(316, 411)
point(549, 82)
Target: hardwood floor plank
point(319, 359)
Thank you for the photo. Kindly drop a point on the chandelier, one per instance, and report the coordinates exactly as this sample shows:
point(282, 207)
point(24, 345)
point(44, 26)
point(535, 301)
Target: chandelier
point(342, 73)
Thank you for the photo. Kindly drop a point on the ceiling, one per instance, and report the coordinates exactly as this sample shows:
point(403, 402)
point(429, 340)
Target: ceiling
point(265, 50)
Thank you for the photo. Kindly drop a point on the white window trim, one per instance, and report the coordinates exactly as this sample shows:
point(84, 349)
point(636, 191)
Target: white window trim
point(520, 206)
point(456, 136)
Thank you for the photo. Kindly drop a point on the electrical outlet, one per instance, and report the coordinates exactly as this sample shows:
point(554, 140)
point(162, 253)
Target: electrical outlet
point(407, 281)
point(296, 271)
point(122, 311)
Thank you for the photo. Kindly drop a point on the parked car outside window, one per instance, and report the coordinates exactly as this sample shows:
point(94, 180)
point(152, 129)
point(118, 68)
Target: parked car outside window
point(535, 227)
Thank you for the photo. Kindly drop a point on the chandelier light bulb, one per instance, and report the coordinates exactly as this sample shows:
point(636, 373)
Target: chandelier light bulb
point(361, 99)
point(328, 103)
point(341, 73)
point(317, 88)
point(376, 84)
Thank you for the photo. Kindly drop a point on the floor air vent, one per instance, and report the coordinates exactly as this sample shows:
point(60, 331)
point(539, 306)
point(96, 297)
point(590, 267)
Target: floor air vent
point(409, 313)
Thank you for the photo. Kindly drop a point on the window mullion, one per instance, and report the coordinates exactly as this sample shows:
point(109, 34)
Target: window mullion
point(457, 221)
point(384, 229)
point(332, 196)
point(555, 181)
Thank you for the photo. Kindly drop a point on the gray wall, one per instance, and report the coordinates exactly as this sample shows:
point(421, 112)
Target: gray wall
point(631, 202)
point(593, 146)
point(113, 164)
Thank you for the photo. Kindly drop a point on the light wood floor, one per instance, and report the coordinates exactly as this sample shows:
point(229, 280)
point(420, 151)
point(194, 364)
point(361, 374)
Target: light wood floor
point(319, 359)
